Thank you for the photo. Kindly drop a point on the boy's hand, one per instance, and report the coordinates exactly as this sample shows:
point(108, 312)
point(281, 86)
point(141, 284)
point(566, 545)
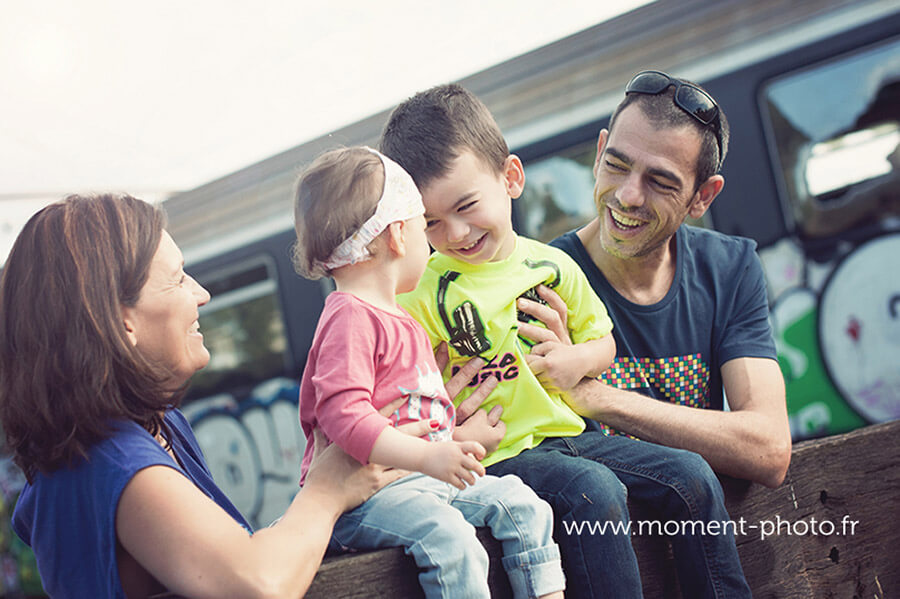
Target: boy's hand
point(558, 367)
point(453, 462)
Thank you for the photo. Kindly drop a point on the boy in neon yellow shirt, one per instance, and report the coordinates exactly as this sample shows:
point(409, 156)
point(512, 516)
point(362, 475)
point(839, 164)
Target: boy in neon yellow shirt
point(469, 292)
point(472, 306)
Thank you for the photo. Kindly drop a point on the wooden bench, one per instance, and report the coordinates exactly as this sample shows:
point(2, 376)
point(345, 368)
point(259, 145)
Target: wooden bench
point(836, 481)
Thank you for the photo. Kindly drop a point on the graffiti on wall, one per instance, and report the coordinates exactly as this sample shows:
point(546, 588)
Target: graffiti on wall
point(837, 328)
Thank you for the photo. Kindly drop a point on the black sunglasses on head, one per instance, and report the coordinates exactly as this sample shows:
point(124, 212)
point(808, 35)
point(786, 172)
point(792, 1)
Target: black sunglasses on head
point(688, 97)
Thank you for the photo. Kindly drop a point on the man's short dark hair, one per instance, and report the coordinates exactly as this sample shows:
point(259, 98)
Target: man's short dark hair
point(428, 131)
point(663, 113)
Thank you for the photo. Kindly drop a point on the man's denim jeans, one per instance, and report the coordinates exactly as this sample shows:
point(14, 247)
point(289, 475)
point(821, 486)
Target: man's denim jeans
point(435, 523)
point(587, 479)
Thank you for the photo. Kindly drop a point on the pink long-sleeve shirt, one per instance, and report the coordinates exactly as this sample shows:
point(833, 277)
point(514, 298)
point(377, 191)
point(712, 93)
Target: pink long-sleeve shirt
point(363, 358)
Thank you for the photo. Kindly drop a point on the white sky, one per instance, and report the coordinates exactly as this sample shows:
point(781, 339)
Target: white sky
point(154, 97)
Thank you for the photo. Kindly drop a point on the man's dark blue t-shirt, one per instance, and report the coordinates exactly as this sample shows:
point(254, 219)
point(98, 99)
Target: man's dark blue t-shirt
point(716, 310)
point(69, 516)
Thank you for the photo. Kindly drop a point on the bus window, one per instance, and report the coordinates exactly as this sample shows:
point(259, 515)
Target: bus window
point(558, 192)
point(243, 328)
point(834, 130)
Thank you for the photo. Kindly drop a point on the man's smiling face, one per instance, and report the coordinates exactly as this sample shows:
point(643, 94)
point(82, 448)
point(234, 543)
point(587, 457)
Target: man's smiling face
point(645, 184)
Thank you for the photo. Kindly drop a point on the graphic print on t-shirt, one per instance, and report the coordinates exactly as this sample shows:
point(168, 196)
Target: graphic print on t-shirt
point(427, 402)
point(467, 329)
point(464, 324)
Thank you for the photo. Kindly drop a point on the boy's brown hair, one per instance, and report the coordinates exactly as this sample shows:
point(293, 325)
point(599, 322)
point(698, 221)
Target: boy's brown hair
point(428, 131)
point(334, 196)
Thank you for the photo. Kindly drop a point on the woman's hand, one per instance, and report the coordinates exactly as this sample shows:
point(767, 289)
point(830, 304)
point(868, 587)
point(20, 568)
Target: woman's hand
point(334, 472)
point(480, 425)
point(473, 423)
point(419, 428)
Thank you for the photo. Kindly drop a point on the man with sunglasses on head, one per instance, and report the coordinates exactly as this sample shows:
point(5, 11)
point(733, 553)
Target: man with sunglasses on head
point(689, 310)
point(688, 305)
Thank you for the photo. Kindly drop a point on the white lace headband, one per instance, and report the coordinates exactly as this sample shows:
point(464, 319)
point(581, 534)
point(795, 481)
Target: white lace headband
point(400, 200)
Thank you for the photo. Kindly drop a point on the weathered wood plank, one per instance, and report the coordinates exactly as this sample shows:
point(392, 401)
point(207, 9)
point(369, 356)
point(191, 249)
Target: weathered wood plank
point(391, 572)
point(852, 483)
point(362, 575)
point(839, 480)
point(789, 548)
point(849, 482)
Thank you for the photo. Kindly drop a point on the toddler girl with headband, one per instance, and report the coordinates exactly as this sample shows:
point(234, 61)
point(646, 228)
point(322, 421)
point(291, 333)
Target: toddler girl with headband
point(359, 219)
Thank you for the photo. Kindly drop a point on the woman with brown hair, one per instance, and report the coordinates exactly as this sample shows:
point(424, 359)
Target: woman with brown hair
point(98, 339)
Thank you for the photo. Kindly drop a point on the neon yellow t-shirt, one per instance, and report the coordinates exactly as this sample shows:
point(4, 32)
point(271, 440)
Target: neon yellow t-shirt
point(473, 309)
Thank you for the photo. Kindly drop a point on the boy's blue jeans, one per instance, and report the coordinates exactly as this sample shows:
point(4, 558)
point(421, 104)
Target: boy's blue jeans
point(435, 523)
point(587, 479)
